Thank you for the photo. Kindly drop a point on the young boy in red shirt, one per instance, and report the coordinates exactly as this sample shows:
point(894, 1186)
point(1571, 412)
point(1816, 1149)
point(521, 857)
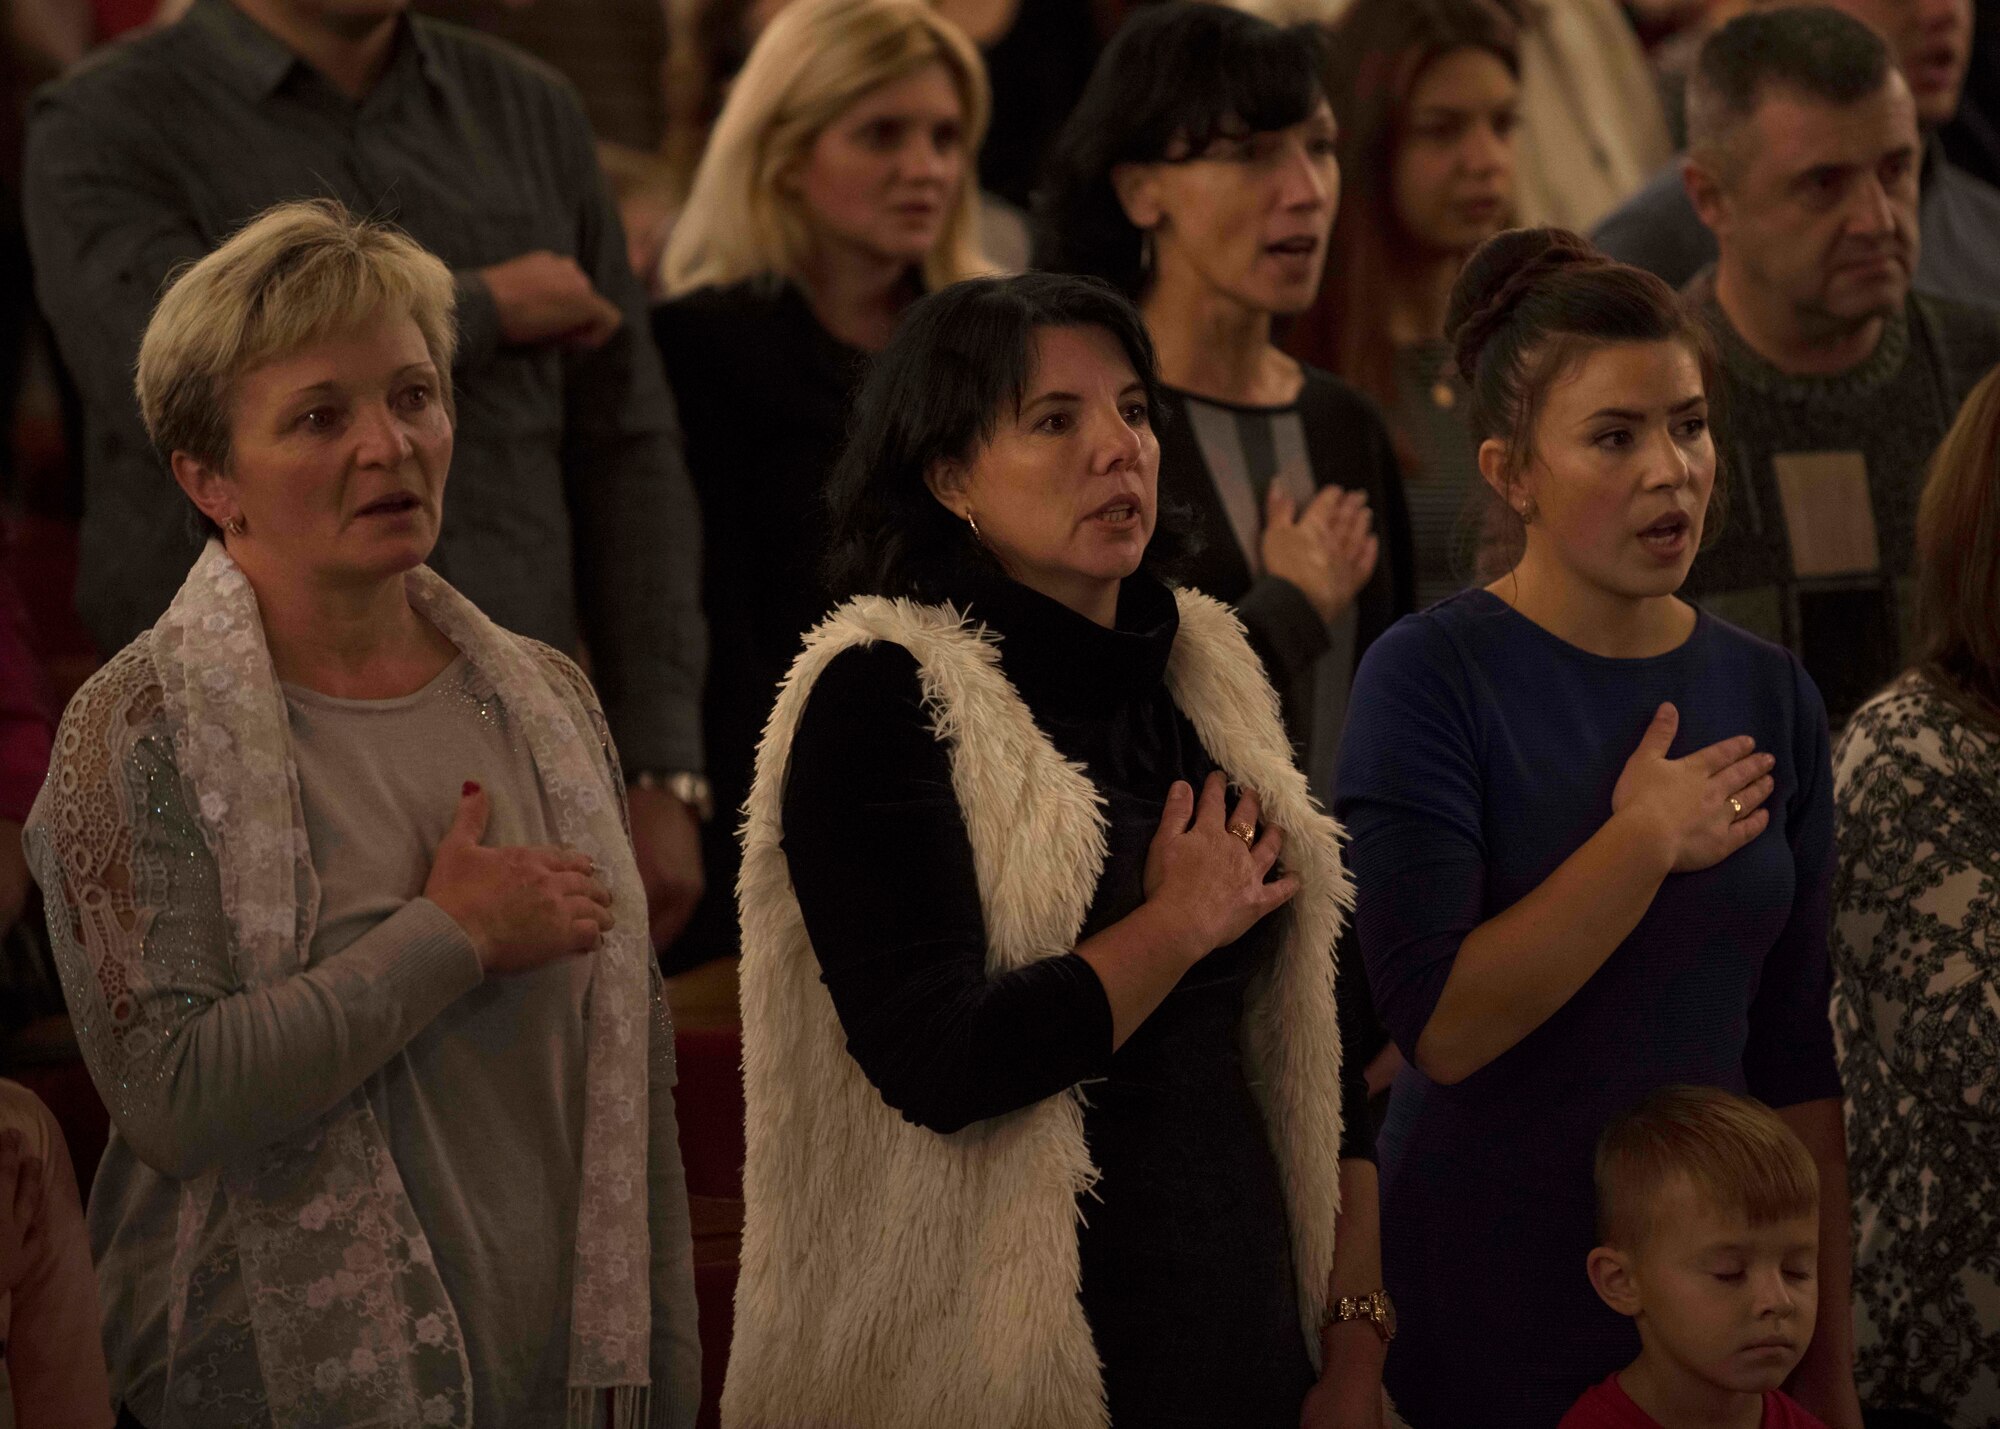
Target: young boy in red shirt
point(1708, 1210)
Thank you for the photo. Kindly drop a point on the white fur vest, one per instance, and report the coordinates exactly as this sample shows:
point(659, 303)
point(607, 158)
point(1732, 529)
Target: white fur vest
point(896, 1278)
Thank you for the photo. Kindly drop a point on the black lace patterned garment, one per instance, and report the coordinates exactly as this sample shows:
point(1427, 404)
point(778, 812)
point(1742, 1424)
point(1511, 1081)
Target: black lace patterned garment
point(1916, 949)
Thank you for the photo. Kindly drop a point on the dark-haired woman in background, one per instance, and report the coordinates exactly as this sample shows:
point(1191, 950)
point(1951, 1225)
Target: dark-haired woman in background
point(1426, 92)
point(1197, 175)
point(1042, 1060)
point(1593, 841)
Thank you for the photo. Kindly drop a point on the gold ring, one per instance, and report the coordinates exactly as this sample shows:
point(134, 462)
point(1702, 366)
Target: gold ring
point(1736, 806)
point(1246, 832)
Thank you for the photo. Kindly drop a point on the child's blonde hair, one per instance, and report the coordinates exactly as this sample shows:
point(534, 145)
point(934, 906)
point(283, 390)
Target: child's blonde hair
point(1733, 1150)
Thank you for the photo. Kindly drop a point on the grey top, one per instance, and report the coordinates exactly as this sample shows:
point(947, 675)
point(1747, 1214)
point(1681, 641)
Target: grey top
point(1958, 217)
point(478, 1086)
point(1248, 450)
point(569, 516)
point(1447, 499)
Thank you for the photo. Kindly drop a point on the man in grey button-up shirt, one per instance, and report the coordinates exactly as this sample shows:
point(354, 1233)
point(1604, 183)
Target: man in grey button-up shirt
point(569, 515)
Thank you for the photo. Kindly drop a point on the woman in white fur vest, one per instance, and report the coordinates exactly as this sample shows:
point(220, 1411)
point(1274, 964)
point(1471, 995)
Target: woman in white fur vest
point(1043, 1067)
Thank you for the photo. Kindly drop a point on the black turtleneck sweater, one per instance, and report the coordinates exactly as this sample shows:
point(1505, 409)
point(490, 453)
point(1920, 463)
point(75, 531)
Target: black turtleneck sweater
point(1186, 1257)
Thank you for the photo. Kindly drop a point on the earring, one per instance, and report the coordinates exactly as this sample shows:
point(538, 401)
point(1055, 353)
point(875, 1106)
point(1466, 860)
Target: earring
point(1145, 252)
point(973, 522)
point(234, 526)
point(1526, 511)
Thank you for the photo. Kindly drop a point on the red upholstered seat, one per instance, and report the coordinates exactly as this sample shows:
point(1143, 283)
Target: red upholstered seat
point(66, 1088)
point(709, 1104)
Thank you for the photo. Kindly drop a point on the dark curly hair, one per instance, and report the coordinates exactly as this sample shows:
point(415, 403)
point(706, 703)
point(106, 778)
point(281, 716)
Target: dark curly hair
point(1175, 78)
point(961, 358)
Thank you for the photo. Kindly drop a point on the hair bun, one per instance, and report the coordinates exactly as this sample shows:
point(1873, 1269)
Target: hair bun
point(1502, 272)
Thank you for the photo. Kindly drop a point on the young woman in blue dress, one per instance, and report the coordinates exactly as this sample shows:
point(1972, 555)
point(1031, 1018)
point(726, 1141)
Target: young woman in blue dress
point(1593, 837)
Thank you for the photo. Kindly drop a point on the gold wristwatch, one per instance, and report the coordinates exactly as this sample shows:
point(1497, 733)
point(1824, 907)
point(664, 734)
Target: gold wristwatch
point(1375, 1307)
point(690, 789)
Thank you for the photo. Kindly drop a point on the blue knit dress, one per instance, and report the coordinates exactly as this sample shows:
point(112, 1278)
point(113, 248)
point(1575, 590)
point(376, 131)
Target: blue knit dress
point(1481, 752)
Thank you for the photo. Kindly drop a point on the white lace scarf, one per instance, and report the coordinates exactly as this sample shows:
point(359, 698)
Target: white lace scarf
point(351, 1321)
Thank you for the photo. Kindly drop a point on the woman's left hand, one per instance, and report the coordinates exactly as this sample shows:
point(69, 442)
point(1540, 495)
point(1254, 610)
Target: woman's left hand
point(666, 843)
point(1331, 1405)
point(1349, 1392)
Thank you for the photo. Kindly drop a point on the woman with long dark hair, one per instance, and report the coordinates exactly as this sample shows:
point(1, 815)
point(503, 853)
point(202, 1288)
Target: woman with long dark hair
point(1041, 1055)
point(1426, 93)
point(1198, 176)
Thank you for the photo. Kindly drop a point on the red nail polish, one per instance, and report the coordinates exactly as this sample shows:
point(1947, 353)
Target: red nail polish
point(470, 788)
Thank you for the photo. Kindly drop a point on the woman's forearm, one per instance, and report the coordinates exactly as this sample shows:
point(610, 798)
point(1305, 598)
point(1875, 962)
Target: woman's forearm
point(1352, 1351)
point(1357, 1235)
point(1284, 630)
point(1139, 959)
point(1517, 968)
point(257, 1066)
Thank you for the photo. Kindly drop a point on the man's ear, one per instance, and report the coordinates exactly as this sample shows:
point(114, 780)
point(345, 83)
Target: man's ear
point(206, 487)
point(1612, 1277)
point(1701, 179)
point(1138, 189)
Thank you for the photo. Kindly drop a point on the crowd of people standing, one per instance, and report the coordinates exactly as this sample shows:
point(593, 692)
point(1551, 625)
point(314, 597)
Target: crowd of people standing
point(1333, 806)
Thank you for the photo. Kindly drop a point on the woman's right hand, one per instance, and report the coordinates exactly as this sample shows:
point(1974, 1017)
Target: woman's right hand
point(1328, 550)
point(523, 907)
point(20, 1205)
point(1687, 800)
point(1206, 882)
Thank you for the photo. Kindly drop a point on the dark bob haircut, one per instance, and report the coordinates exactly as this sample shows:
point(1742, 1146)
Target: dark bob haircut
point(1174, 79)
point(961, 361)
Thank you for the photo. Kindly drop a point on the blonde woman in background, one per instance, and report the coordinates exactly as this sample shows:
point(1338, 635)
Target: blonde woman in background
point(838, 188)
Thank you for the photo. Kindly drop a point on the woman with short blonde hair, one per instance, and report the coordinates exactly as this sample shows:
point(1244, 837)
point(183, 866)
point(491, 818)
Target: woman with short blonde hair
point(348, 919)
point(838, 189)
point(297, 274)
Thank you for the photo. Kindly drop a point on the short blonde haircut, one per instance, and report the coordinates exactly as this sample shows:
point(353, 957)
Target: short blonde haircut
point(814, 62)
point(1734, 1151)
point(293, 275)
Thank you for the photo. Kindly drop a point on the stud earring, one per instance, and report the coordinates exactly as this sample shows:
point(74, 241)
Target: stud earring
point(234, 526)
point(1526, 511)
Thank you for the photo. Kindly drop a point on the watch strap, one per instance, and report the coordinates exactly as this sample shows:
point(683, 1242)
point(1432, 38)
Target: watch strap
point(690, 788)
